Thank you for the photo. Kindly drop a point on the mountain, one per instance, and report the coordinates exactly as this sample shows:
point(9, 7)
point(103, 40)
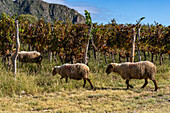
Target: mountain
point(41, 9)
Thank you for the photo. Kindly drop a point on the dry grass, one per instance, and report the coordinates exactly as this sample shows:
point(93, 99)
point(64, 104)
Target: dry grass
point(100, 100)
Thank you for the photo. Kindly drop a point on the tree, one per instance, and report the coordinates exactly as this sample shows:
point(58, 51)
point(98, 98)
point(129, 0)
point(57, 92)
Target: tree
point(89, 35)
point(27, 17)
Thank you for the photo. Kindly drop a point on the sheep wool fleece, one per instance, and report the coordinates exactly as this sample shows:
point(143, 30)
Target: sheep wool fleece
point(138, 70)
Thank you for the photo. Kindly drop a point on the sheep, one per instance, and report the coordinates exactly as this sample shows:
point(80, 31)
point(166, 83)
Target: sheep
point(24, 56)
point(30, 57)
point(73, 71)
point(138, 70)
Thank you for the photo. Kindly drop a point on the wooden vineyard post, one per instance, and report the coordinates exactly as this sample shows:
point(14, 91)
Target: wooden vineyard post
point(94, 46)
point(139, 55)
point(138, 33)
point(133, 45)
point(89, 23)
point(14, 57)
point(87, 45)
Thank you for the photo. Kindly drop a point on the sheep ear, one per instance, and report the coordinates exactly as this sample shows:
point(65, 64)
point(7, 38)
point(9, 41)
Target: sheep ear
point(110, 66)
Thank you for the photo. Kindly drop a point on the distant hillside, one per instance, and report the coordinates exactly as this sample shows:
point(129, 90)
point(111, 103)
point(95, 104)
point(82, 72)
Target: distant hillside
point(40, 9)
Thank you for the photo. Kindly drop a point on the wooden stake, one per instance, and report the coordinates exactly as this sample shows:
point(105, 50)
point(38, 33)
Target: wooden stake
point(133, 44)
point(87, 44)
point(14, 57)
point(139, 55)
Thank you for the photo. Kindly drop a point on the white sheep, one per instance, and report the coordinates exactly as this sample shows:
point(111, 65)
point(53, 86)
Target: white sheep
point(73, 71)
point(138, 70)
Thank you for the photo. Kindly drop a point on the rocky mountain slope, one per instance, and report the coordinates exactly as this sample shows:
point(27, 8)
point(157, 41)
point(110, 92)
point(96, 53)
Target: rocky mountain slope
point(41, 9)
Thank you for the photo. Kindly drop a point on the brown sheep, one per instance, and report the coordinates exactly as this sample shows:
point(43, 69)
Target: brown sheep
point(30, 57)
point(138, 70)
point(73, 71)
point(26, 57)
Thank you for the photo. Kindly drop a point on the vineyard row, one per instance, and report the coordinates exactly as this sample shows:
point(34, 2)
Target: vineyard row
point(68, 40)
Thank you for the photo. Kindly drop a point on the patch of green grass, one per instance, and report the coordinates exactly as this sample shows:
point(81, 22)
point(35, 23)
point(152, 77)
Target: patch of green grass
point(32, 103)
point(160, 94)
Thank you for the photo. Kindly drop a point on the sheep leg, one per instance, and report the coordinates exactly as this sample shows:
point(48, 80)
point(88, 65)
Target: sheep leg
point(39, 65)
point(66, 79)
point(127, 82)
point(146, 82)
point(90, 82)
point(84, 82)
point(155, 83)
point(61, 79)
point(128, 85)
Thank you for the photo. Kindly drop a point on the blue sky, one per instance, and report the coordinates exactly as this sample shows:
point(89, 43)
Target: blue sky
point(124, 11)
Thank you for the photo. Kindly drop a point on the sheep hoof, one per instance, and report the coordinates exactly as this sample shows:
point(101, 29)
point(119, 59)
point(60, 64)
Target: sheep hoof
point(131, 86)
point(155, 90)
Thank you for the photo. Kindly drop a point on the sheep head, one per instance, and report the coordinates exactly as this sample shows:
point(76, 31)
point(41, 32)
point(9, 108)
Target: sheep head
point(55, 70)
point(111, 68)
